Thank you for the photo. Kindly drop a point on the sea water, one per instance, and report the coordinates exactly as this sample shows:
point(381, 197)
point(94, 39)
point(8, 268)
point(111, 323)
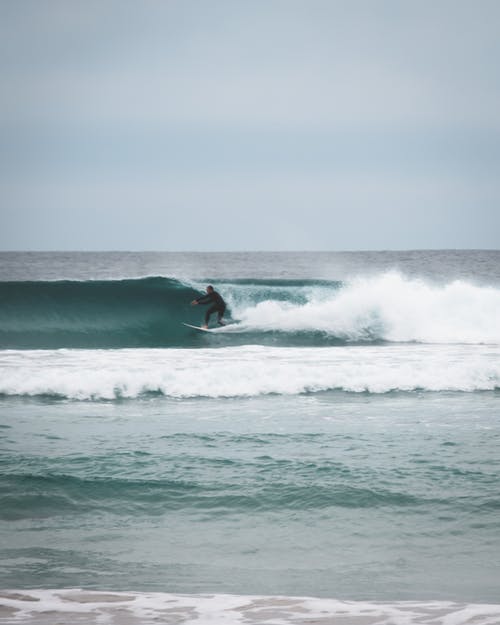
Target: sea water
point(330, 456)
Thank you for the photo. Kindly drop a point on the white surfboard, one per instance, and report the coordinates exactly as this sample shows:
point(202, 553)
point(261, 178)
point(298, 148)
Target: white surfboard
point(198, 327)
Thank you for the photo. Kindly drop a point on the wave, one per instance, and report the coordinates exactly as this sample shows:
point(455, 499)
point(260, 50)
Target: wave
point(92, 314)
point(33, 606)
point(149, 312)
point(26, 496)
point(247, 371)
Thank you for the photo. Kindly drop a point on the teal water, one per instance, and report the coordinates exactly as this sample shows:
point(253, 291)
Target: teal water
point(388, 497)
point(354, 454)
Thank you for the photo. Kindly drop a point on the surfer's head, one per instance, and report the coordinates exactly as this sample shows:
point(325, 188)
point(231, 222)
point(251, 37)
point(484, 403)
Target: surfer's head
point(210, 288)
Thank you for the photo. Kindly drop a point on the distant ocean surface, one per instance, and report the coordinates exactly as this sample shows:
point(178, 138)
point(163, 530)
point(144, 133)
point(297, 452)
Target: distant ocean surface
point(330, 456)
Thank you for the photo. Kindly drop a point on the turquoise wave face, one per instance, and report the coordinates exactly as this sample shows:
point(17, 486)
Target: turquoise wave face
point(92, 314)
point(147, 312)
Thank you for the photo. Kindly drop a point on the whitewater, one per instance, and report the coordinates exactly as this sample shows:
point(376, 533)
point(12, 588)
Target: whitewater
point(247, 371)
point(387, 307)
point(332, 454)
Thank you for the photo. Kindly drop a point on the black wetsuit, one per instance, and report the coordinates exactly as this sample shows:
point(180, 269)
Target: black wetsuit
point(218, 306)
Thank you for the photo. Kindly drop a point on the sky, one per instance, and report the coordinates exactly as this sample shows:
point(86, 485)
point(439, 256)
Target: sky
point(221, 125)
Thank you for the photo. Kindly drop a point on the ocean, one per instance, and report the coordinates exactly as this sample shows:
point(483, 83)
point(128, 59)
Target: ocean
point(330, 456)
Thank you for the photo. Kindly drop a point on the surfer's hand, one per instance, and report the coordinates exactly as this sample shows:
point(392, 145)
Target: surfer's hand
point(194, 303)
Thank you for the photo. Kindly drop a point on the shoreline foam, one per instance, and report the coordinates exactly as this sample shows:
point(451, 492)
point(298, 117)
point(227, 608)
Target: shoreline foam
point(67, 606)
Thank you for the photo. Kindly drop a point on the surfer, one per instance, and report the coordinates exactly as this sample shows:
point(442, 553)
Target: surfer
point(218, 305)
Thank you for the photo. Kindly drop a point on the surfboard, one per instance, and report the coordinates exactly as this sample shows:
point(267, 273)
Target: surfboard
point(198, 327)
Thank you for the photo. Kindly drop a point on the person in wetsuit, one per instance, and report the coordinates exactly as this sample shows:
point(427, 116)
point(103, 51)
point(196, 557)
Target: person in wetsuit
point(218, 305)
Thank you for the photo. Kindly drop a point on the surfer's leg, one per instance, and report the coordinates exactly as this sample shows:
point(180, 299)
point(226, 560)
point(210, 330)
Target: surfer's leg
point(210, 310)
point(220, 314)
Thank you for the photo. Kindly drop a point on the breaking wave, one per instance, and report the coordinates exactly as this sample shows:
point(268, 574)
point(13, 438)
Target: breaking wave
point(148, 312)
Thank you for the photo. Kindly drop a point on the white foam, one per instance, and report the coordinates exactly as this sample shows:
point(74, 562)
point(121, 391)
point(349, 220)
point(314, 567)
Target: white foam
point(44, 606)
point(390, 307)
point(248, 371)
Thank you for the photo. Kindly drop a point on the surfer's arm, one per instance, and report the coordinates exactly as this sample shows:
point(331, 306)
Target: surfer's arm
point(204, 299)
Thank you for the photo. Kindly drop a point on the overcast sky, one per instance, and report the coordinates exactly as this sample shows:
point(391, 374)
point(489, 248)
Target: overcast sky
point(249, 125)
